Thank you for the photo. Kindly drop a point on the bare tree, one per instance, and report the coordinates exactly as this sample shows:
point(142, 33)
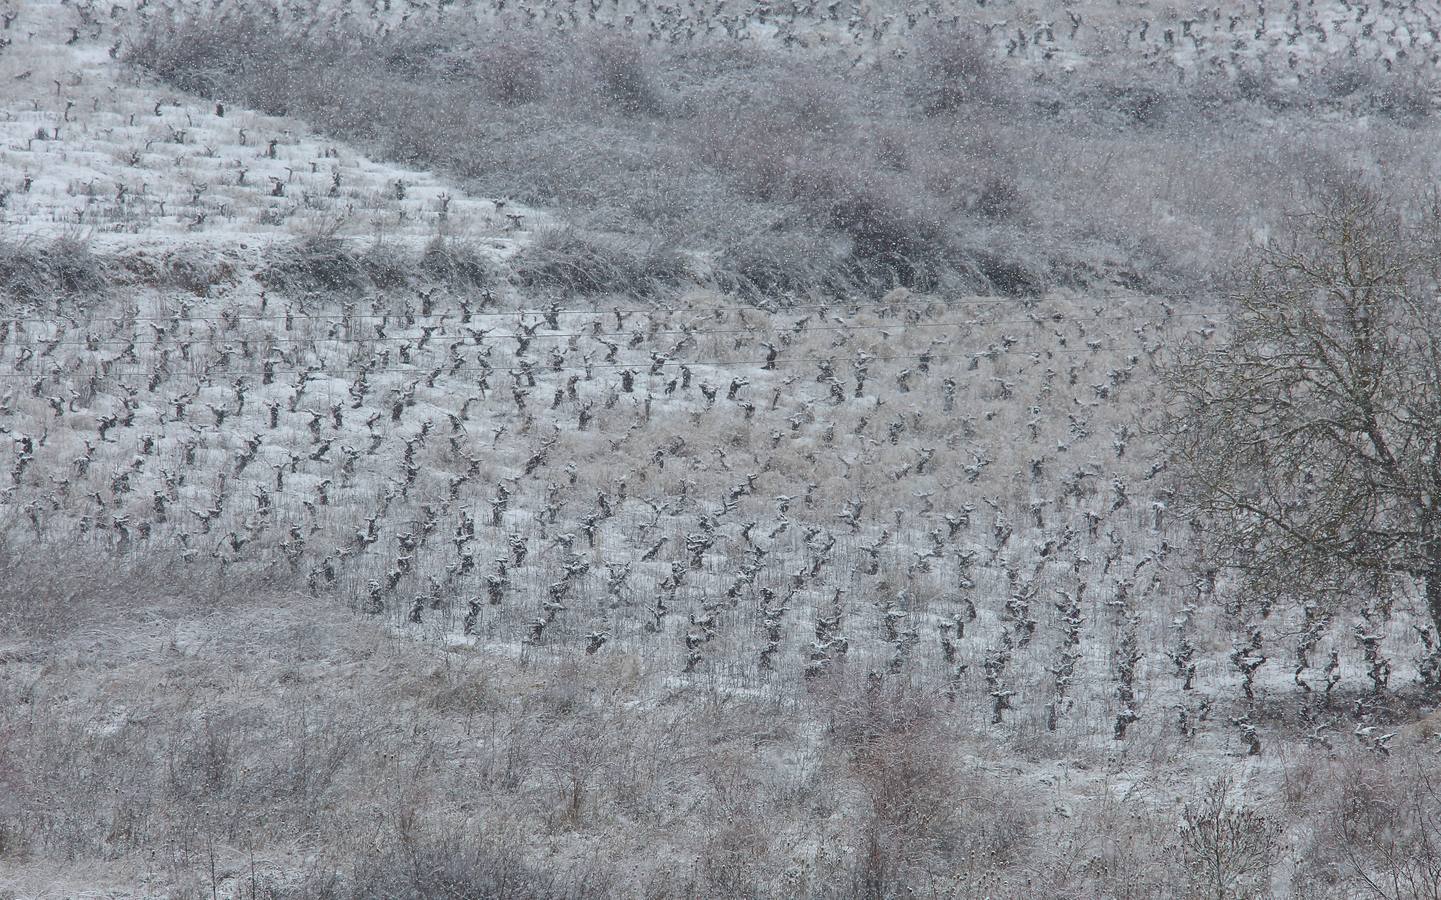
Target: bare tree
point(1309, 442)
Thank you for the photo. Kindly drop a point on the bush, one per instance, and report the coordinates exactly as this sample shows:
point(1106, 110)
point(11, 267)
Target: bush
point(892, 242)
point(567, 260)
point(1344, 78)
point(622, 75)
point(1007, 275)
point(1001, 199)
point(458, 265)
point(812, 104)
point(757, 152)
point(1406, 96)
point(1386, 826)
point(184, 53)
point(1137, 101)
point(955, 70)
point(388, 267)
point(921, 811)
point(419, 54)
point(62, 267)
point(444, 869)
point(789, 262)
point(511, 70)
point(1213, 90)
point(192, 271)
point(315, 265)
point(1258, 86)
point(196, 275)
point(326, 264)
point(1229, 849)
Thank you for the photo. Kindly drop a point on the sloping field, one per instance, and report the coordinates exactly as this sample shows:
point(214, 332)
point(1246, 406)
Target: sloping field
point(368, 530)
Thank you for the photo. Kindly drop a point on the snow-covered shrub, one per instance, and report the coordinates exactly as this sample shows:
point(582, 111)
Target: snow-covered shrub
point(316, 264)
point(894, 238)
point(1373, 825)
point(64, 266)
point(445, 867)
point(569, 260)
point(776, 265)
point(954, 70)
point(1001, 198)
point(512, 69)
point(455, 263)
point(623, 76)
point(1407, 95)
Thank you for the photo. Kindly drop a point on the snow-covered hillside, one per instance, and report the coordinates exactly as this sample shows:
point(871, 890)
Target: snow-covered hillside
point(673, 594)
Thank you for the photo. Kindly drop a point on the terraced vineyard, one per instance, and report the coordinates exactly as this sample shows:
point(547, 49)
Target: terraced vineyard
point(573, 585)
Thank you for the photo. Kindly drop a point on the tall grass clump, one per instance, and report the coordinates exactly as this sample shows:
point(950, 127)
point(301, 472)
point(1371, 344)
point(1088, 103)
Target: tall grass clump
point(329, 264)
point(570, 261)
point(62, 267)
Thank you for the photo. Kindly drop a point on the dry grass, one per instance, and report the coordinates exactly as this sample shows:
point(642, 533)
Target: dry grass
point(31, 270)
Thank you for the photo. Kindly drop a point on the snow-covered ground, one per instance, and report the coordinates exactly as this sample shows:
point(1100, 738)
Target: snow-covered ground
point(702, 500)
